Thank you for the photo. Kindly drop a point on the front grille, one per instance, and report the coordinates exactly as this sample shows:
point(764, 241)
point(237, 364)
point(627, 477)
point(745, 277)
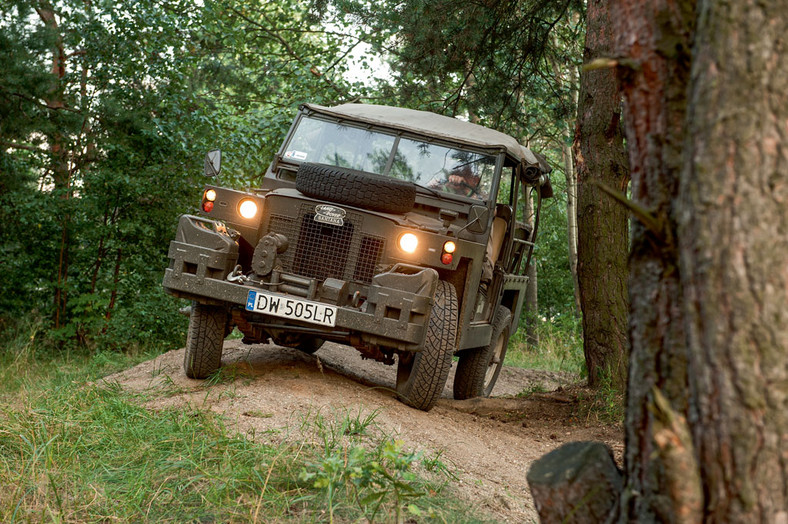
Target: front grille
point(323, 251)
point(368, 256)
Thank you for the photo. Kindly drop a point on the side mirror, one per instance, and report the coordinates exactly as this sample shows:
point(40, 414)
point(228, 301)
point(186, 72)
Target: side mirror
point(478, 216)
point(213, 162)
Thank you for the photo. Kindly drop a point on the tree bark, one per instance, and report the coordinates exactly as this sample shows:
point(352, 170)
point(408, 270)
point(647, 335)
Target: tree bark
point(570, 177)
point(707, 128)
point(602, 222)
point(532, 291)
point(571, 214)
point(733, 227)
point(655, 38)
point(58, 154)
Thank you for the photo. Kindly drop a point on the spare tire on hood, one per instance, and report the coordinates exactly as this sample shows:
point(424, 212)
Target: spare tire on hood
point(356, 188)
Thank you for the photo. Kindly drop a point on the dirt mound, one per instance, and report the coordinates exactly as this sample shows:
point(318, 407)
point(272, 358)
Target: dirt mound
point(267, 391)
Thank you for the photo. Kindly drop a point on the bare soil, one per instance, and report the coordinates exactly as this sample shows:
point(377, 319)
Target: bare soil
point(489, 444)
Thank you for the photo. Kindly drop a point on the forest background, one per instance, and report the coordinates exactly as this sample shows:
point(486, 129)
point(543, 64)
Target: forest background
point(106, 111)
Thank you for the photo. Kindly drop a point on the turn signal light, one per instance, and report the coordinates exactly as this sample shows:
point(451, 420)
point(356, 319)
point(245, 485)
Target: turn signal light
point(449, 248)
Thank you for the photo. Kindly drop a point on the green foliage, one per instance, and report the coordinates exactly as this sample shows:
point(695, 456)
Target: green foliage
point(551, 256)
point(560, 347)
point(513, 69)
point(97, 162)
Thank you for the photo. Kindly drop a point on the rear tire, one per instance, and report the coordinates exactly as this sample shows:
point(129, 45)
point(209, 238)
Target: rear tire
point(478, 368)
point(422, 376)
point(207, 329)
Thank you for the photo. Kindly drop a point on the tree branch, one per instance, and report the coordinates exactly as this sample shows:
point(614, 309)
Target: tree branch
point(26, 147)
point(645, 216)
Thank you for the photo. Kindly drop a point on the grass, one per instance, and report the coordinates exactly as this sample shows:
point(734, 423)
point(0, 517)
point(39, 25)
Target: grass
point(560, 347)
point(74, 450)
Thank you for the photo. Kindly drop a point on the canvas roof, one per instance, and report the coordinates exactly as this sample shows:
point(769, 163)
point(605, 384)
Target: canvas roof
point(430, 124)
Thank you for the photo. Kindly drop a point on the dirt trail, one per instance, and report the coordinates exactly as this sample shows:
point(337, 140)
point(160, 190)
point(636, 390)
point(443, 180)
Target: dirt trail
point(488, 443)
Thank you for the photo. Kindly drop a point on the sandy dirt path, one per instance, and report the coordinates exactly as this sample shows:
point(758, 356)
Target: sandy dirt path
point(267, 391)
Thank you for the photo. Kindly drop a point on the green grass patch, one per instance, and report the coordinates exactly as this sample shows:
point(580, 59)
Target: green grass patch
point(560, 347)
point(76, 450)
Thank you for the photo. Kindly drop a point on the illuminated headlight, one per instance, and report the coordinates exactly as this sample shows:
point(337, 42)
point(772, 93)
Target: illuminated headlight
point(449, 247)
point(248, 209)
point(408, 242)
point(210, 195)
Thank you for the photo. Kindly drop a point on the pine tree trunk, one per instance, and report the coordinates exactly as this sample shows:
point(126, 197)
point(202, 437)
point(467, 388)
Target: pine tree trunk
point(602, 222)
point(733, 226)
point(654, 84)
point(707, 128)
point(58, 154)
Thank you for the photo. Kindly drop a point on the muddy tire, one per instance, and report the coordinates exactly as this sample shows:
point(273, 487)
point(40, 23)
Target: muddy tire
point(478, 368)
point(207, 328)
point(422, 376)
point(356, 188)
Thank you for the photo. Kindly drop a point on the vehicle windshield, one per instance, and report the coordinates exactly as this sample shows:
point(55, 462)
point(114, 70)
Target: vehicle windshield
point(446, 169)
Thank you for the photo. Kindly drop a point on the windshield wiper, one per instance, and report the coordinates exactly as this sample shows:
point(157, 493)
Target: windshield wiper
point(433, 191)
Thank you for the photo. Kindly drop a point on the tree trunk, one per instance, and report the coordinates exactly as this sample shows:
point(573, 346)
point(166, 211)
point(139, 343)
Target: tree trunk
point(571, 216)
point(707, 416)
point(602, 222)
point(115, 282)
point(562, 481)
point(58, 154)
point(570, 177)
point(655, 37)
point(733, 227)
point(531, 292)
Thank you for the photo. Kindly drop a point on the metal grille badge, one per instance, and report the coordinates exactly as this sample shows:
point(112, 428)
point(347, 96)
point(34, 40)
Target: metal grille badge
point(331, 215)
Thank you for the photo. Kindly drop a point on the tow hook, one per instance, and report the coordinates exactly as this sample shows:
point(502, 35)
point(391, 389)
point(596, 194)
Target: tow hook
point(236, 276)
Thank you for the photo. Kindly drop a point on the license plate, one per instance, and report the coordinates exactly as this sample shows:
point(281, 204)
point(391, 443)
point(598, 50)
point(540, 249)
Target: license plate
point(292, 308)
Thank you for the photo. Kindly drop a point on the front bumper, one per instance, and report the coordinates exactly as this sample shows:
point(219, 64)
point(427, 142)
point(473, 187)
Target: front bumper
point(393, 313)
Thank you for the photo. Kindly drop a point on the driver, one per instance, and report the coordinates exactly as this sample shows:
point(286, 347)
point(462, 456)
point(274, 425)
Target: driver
point(461, 181)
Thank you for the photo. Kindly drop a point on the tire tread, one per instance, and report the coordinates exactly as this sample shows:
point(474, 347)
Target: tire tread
point(205, 340)
point(472, 366)
point(431, 366)
point(356, 188)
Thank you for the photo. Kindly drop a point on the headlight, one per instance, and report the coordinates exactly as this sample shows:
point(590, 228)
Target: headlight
point(449, 247)
point(210, 195)
point(408, 242)
point(247, 209)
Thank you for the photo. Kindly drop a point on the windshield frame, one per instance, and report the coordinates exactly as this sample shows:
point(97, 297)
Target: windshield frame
point(495, 155)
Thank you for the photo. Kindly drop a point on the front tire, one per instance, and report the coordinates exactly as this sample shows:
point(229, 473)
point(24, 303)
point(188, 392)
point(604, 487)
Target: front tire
point(207, 329)
point(478, 368)
point(422, 376)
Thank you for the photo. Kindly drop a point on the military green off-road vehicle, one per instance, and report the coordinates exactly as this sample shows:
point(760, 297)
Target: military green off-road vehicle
point(391, 230)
